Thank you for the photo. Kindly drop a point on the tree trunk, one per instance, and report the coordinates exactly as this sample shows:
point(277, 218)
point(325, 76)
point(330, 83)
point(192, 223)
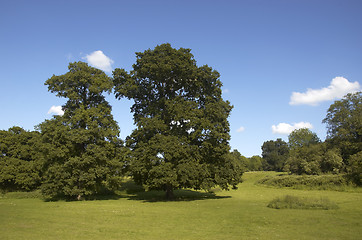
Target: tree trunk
point(169, 193)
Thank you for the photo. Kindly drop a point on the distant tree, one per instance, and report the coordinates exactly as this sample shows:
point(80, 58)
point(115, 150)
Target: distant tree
point(182, 135)
point(355, 168)
point(305, 160)
point(302, 138)
point(332, 161)
point(240, 159)
point(314, 159)
point(20, 164)
point(344, 124)
point(82, 149)
point(275, 153)
point(255, 163)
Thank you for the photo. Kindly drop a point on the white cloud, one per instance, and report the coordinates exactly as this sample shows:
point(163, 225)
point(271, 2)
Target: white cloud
point(57, 110)
point(285, 128)
point(225, 90)
point(241, 129)
point(99, 60)
point(337, 89)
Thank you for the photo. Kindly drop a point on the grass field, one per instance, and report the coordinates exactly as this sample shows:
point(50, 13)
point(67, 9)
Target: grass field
point(235, 214)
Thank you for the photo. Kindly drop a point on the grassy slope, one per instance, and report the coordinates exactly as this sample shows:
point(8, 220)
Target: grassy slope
point(240, 214)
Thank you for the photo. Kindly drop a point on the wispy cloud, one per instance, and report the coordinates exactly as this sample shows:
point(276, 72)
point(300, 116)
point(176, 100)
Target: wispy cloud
point(69, 56)
point(240, 129)
point(337, 89)
point(285, 128)
point(225, 90)
point(99, 60)
point(56, 110)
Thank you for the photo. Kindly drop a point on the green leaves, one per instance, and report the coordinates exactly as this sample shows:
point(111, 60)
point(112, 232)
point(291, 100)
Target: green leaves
point(20, 162)
point(82, 148)
point(302, 137)
point(181, 120)
point(275, 153)
point(344, 124)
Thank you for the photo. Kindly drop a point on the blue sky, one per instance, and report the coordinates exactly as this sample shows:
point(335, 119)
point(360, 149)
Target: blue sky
point(282, 62)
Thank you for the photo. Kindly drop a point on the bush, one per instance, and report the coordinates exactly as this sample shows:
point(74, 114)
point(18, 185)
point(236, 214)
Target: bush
point(320, 182)
point(293, 202)
point(355, 168)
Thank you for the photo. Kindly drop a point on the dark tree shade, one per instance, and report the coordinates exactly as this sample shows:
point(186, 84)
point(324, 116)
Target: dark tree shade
point(275, 153)
point(182, 131)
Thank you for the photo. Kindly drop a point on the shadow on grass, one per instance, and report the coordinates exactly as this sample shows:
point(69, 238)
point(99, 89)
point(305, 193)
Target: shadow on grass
point(96, 197)
point(180, 195)
point(132, 191)
point(136, 192)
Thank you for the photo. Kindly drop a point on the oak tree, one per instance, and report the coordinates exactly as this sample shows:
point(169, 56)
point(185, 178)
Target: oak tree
point(182, 133)
point(20, 162)
point(82, 149)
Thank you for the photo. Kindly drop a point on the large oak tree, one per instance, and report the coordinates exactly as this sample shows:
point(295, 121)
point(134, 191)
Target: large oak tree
point(182, 135)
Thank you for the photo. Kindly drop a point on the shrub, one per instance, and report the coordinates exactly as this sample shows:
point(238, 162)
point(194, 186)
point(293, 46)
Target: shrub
point(320, 182)
point(355, 168)
point(294, 202)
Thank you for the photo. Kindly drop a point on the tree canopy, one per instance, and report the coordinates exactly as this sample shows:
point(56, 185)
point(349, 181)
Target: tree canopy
point(20, 162)
point(275, 153)
point(302, 137)
point(82, 147)
point(344, 124)
point(182, 134)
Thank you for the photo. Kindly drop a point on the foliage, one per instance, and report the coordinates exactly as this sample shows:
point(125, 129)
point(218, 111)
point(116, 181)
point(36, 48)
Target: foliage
point(242, 161)
point(20, 163)
point(309, 156)
point(320, 182)
point(275, 153)
point(83, 153)
point(182, 134)
point(255, 163)
point(332, 161)
point(294, 202)
point(355, 168)
point(344, 124)
point(305, 160)
point(302, 138)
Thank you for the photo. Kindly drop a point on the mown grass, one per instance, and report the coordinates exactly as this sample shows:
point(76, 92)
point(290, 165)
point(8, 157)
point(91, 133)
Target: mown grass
point(136, 214)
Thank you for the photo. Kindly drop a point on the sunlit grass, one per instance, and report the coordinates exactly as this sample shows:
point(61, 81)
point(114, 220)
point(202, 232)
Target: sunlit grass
point(137, 214)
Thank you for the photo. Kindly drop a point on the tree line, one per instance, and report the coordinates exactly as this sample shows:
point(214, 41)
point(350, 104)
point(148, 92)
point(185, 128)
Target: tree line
point(305, 153)
point(181, 138)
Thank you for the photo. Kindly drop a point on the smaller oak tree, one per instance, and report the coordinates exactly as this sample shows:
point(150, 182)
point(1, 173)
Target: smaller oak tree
point(82, 149)
point(20, 162)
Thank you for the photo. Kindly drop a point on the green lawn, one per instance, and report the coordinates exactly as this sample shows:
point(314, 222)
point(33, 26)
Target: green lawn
point(240, 214)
